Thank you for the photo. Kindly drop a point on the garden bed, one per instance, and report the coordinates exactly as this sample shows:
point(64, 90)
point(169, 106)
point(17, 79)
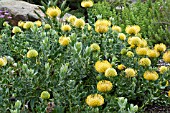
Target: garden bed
point(106, 63)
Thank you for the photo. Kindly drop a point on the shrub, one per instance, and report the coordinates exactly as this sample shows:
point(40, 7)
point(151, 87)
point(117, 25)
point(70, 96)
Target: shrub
point(63, 70)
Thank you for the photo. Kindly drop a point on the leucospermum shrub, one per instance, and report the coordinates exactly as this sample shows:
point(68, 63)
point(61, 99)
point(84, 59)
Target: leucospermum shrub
point(91, 70)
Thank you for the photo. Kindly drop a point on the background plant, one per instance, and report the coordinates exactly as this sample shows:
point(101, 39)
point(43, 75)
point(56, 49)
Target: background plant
point(151, 16)
point(68, 73)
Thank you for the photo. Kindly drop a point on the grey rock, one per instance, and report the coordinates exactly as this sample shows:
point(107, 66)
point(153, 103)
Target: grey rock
point(21, 10)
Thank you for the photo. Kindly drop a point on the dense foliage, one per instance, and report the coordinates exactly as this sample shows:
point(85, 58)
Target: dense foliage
point(152, 17)
point(80, 67)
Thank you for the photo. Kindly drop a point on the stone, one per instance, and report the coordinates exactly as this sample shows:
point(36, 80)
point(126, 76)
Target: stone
point(21, 10)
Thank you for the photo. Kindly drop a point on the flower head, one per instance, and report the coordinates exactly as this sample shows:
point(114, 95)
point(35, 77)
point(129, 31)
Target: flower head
point(16, 30)
point(32, 53)
point(152, 53)
point(102, 22)
point(53, 12)
point(3, 61)
point(95, 47)
point(116, 28)
point(101, 26)
point(38, 23)
point(134, 41)
point(102, 66)
point(145, 62)
point(28, 25)
point(166, 56)
point(163, 69)
point(143, 43)
point(101, 29)
point(94, 100)
point(104, 86)
point(160, 47)
point(72, 19)
point(64, 41)
point(79, 23)
point(21, 23)
point(150, 75)
point(121, 67)
point(132, 29)
point(47, 26)
point(66, 28)
point(122, 36)
point(141, 50)
point(130, 72)
point(45, 95)
point(110, 72)
point(87, 3)
point(130, 54)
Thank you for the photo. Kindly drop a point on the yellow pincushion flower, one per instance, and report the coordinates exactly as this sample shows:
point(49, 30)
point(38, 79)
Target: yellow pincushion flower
point(66, 28)
point(28, 25)
point(116, 28)
point(160, 47)
point(95, 47)
point(21, 23)
point(87, 3)
point(130, 72)
point(102, 22)
point(166, 56)
point(16, 30)
point(53, 12)
point(64, 41)
point(130, 54)
point(79, 23)
point(132, 29)
point(122, 36)
point(32, 53)
point(101, 29)
point(38, 23)
point(134, 41)
point(72, 19)
point(47, 26)
point(110, 72)
point(3, 61)
point(152, 53)
point(104, 86)
point(143, 43)
point(121, 67)
point(150, 75)
point(45, 95)
point(141, 51)
point(145, 62)
point(101, 26)
point(102, 66)
point(163, 69)
point(169, 93)
point(94, 100)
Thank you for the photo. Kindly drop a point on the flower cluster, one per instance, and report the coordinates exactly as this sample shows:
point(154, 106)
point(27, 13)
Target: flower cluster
point(64, 41)
point(87, 3)
point(102, 66)
point(94, 100)
point(3, 61)
point(102, 26)
point(53, 12)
